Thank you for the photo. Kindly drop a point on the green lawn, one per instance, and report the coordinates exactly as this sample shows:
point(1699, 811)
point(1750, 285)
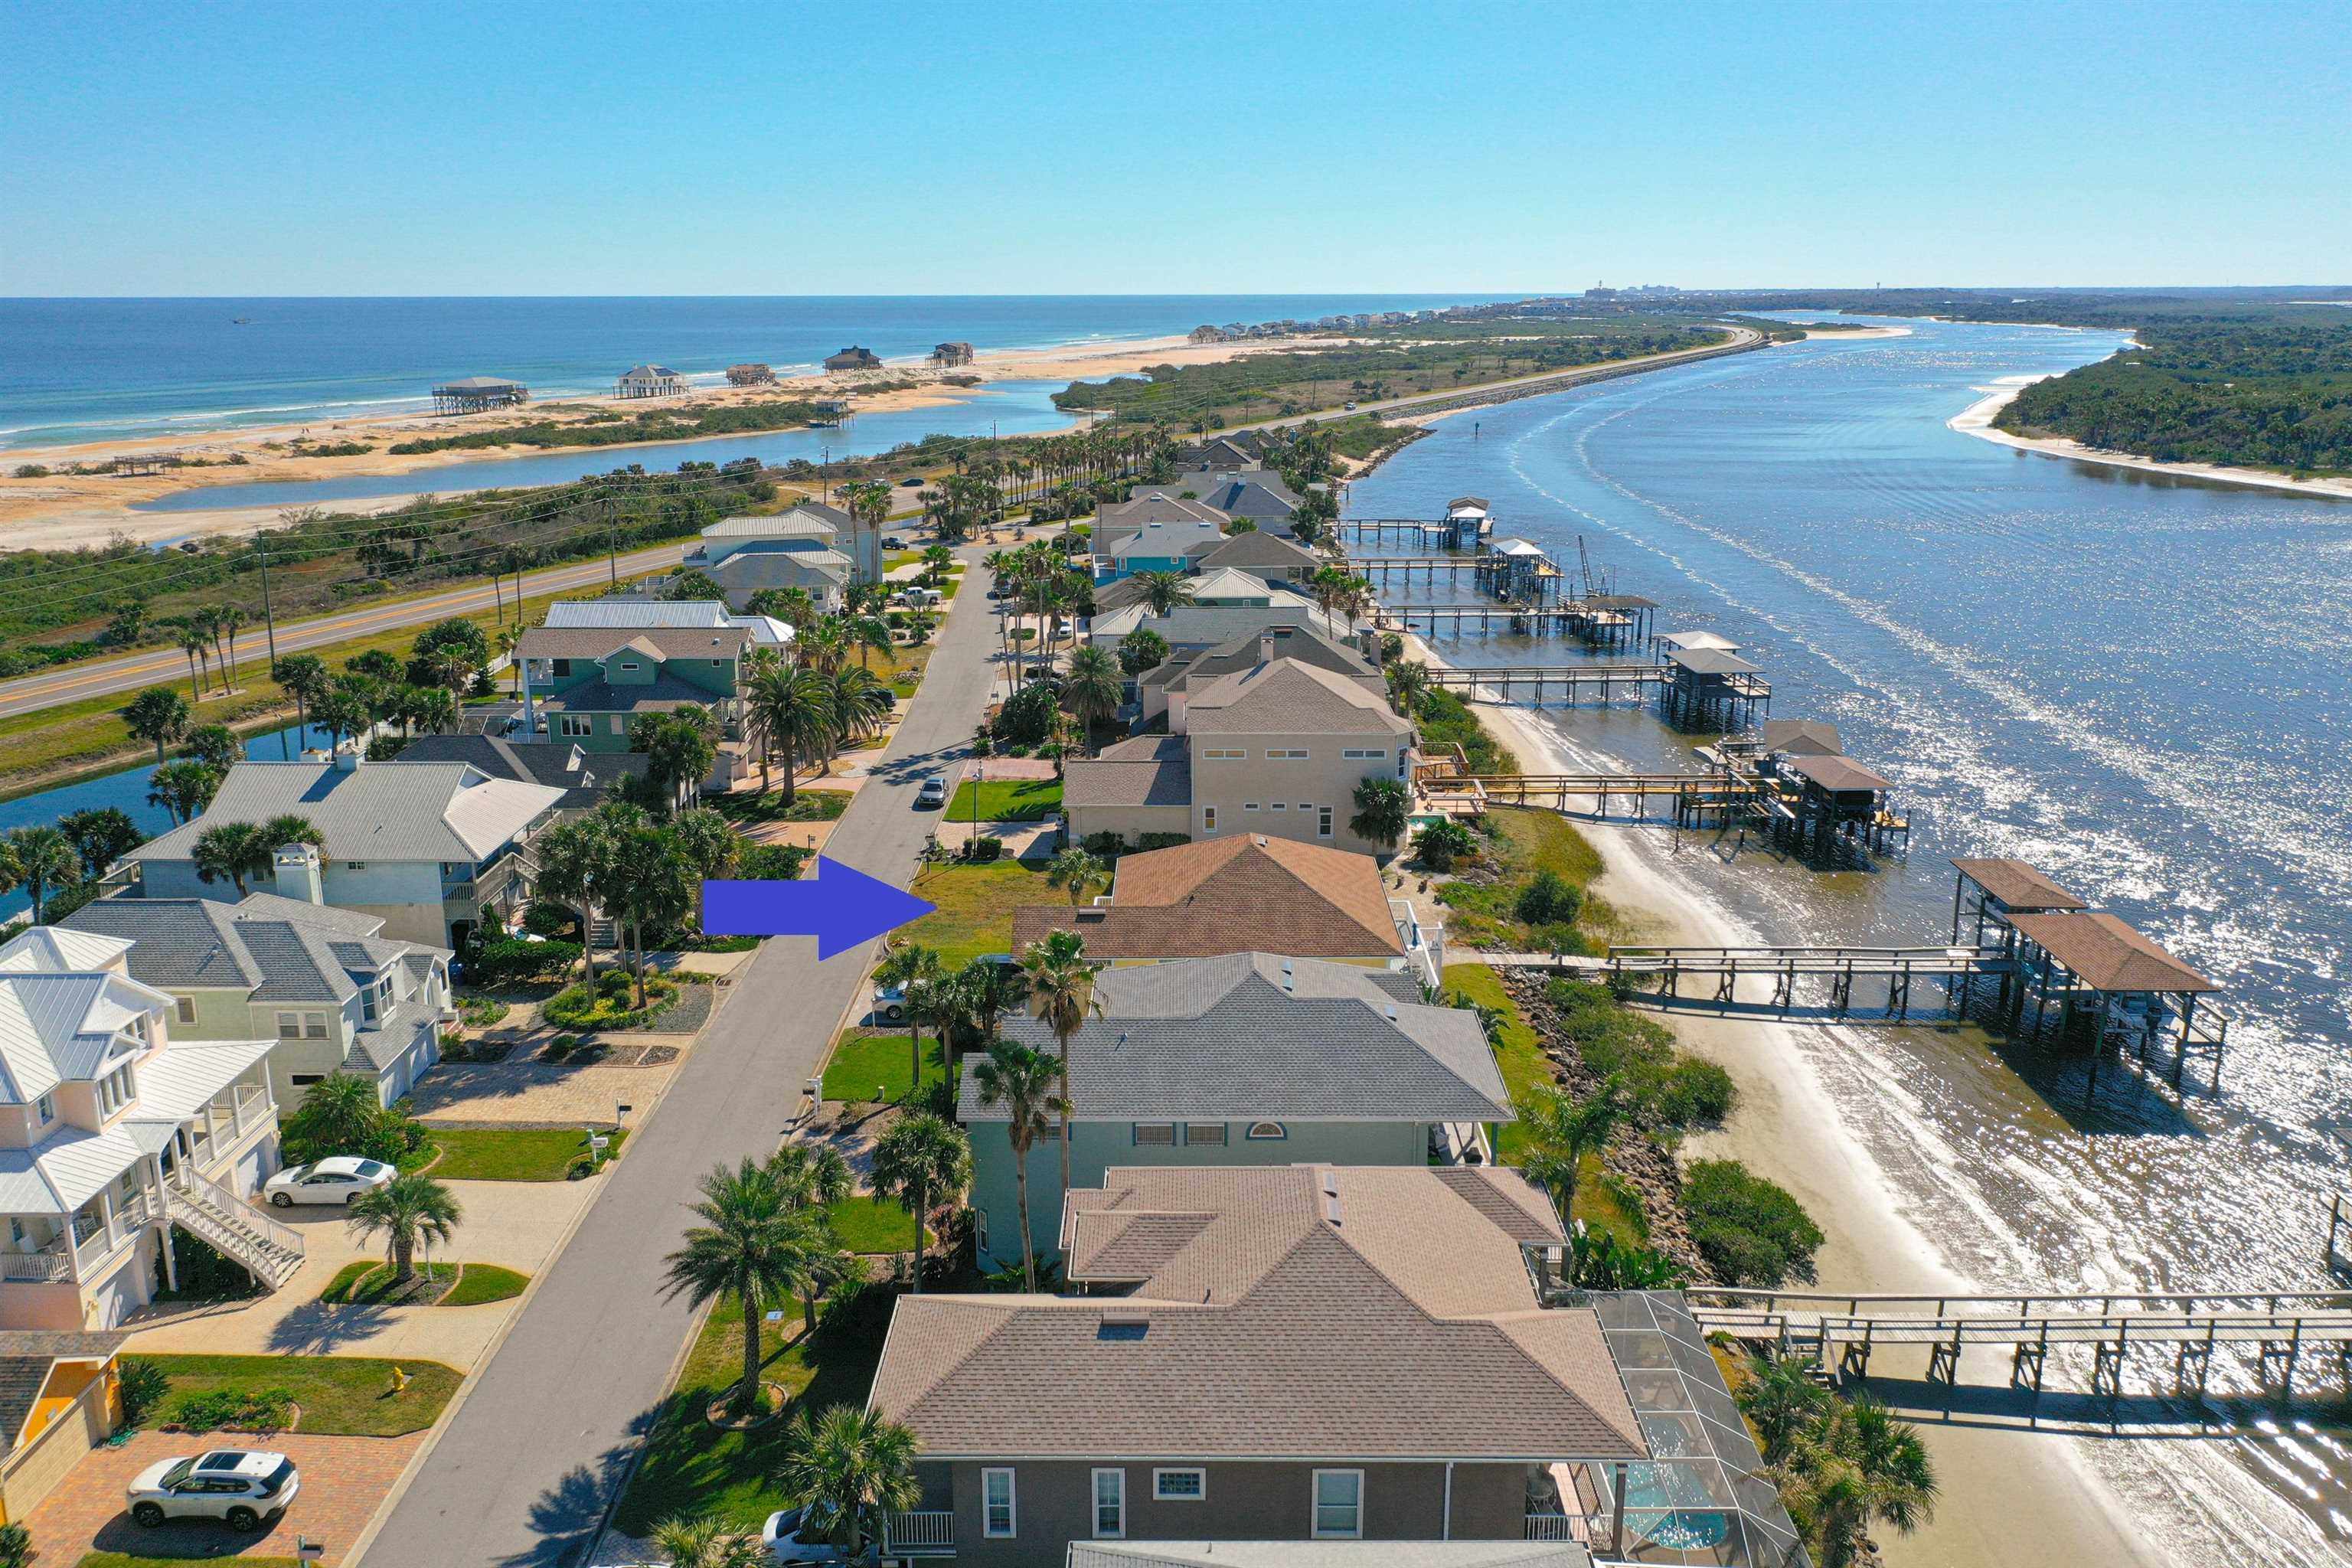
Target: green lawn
point(1006, 800)
point(365, 1284)
point(341, 1396)
point(1521, 842)
point(484, 1283)
point(690, 1468)
point(868, 1224)
point(864, 1060)
point(975, 908)
point(512, 1154)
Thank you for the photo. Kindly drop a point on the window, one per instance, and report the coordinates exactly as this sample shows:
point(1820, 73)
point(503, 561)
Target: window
point(1180, 1486)
point(1251, 806)
point(1155, 1135)
point(1208, 819)
point(561, 666)
point(1204, 1134)
point(305, 1080)
point(48, 1106)
point(354, 865)
point(571, 725)
point(1267, 1131)
point(996, 1504)
point(1338, 1505)
point(1217, 754)
point(187, 1010)
point(1360, 754)
point(367, 1007)
point(628, 667)
point(980, 1229)
point(1280, 805)
point(1288, 754)
point(1323, 823)
point(114, 1091)
point(290, 1025)
point(314, 1025)
point(1110, 1504)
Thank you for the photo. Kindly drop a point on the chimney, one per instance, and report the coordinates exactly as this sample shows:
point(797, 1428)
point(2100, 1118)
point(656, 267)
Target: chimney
point(1265, 648)
point(296, 874)
point(349, 758)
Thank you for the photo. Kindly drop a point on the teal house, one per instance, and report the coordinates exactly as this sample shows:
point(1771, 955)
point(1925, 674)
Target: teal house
point(589, 685)
point(1249, 1058)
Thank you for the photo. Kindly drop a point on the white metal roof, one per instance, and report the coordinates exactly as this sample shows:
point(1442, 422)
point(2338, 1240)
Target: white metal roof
point(180, 1079)
point(51, 950)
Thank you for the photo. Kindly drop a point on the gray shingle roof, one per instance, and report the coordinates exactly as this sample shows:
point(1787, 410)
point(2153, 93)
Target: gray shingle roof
point(178, 944)
point(1256, 1034)
point(386, 810)
point(549, 763)
point(1290, 697)
point(278, 950)
point(1256, 550)
point(1163, 778)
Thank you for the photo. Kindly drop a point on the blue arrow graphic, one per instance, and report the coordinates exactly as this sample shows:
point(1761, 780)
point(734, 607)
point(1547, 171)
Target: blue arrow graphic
point(841, 908)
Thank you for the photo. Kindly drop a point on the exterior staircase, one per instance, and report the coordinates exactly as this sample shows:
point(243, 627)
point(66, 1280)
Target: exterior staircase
point(264, 1248)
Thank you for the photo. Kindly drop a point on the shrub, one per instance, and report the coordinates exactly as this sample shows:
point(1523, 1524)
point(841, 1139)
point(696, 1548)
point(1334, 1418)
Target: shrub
point(986, 849)
point(253, 1410)
point(1548, 900)
point(31, 471)
point(1104, 846)
point(771, 862)
point(1668, 1091)
point(1165, 840)
point(1027, 716)
point(1605, 1263)
point(143, 1386)
point(511, 959)
point(1441, 844)
point(1751, 1231)
point(545, 917)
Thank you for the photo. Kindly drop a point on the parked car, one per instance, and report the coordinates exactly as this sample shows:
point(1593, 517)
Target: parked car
point(241, 1487)
point(1352, 406)
point(891, 1002)
point(785, 1543)
point(891, 540)
point(337, 1179)
point(934, 792)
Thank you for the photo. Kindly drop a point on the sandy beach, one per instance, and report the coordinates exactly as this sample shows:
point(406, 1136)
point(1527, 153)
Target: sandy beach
point(62, 511)
point(1976, 419)
point(1855, 333)
point(2008, 1496)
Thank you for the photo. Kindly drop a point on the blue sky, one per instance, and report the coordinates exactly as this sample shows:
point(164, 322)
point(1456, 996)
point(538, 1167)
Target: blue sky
point(687, 148)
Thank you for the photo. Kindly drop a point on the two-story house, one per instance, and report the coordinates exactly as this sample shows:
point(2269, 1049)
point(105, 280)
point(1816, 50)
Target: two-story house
point(1271, 557)
point(1154, 532)
point(1225, 585)
point(1242, 893)
point(1257, 494)
point(1168, 686)
point(1310, 1354)
point(589, 685)
point(326, 984)
point(424, 846)
point(1249, 1058)
point(111, 1134)
point(1278, 748)
point(812, 546)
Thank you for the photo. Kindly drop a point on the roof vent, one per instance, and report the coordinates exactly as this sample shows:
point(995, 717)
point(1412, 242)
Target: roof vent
point(1261, 840)
point(1392, 1012)
point(1331, 1209)
point(1330, 1179)
point(1123, 1326)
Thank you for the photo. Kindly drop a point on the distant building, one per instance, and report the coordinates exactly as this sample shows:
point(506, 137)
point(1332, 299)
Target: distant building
point(813, 546)
point(589, 685)
point(649, 380)
point(473, 394)
point(855, 358)
point(751, 375)
point(949, 355)
point(1205, 335)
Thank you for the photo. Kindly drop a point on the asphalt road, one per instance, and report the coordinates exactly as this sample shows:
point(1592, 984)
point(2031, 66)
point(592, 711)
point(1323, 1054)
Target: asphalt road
point(104, 678)
point(525, 1471)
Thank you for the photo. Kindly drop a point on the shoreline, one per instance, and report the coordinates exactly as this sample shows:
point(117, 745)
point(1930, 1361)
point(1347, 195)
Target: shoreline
point(1976, 419)
point(1995, 1496)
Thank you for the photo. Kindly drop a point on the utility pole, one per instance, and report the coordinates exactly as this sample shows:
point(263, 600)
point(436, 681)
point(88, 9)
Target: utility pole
point(269, 621)
point(612, 550)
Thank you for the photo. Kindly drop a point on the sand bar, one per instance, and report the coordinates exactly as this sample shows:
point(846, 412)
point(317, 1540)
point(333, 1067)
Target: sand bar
point(1976, 419)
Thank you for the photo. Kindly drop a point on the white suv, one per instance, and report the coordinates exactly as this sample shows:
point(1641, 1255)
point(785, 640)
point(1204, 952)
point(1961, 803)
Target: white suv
point(239, 1486)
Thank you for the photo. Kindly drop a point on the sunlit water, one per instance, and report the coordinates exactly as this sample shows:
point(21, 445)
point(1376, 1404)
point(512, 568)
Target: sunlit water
point(2136, 683)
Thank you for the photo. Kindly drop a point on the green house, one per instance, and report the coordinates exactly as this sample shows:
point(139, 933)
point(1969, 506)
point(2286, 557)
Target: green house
point(589, 685)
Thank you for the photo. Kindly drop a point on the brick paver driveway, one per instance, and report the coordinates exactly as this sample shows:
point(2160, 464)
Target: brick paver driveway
point(344, 1480)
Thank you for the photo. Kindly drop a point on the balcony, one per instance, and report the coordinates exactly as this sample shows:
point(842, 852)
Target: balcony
point(50, 1265)
point(931, 1534)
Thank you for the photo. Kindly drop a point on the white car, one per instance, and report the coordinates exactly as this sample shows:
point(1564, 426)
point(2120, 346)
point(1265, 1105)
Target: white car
point(783, 1538)
point(336, 1180)
point(242, 1487)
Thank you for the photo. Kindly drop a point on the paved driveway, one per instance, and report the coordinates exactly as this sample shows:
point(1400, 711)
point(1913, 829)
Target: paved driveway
point(517, 1224)
point(344, 1481)
point(524, 1470)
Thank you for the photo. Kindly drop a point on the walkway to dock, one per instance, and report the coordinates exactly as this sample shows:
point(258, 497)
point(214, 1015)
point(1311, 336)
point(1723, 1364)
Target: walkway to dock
point(1839, 1331)
point(1566, 682)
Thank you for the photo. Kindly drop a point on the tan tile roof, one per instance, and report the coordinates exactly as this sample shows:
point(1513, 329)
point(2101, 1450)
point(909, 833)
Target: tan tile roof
point(1287, 1311)
point(1229, 895)
point(1288, 697)
point(2108, 955)
point(2017, 884)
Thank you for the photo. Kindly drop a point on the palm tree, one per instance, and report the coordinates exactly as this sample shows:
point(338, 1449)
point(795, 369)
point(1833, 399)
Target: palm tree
point(707, 1543)
point(1093, 689)
point(183, 788)
point(506, 640)
point(1163, 590)
point(292, 827)
point(197, 647)
point(646, 884)
point(1855, 1466)
point(453, 666)
point(824, 646)
point(158, 714)
point(861, 704)
point(1558, 1131)
point(921, 1154)
point(1074, 871)
point(208, 623)
point(572, 858)
point(871, 634)
point(914, 970)
point(1408, 686)
point(1062, 996)
point(1383, 811)
point(852, 1466)
point(1781, 1400)
point(413, 1208)
point(304, 676)
point(45, 859)
point(234, 850)
point(230, 619)
point(791, 711)
point(937, 559)
point(427, 707)
point(748, 1245)
point(707, 840)
point(987, 990)
point(1022, 1080)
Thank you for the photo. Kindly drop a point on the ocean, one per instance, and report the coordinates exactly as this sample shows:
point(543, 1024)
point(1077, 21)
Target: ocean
point(84, 370)
point(2133, 681)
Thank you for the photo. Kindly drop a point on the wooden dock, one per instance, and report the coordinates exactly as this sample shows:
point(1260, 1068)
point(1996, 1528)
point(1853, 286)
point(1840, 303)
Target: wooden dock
point(1663, 969)
point(1571, 618)
point(1567, 683)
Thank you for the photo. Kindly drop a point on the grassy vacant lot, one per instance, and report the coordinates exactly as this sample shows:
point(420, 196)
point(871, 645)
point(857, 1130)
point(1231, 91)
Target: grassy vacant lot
point(1006, 800)
point(1525, 1066)
point(693, 1469)
point(868, 1224)
point(975, 908)
point(341, 1396)
point(1520, 842)
point(516, 1154)
point(866, 1059)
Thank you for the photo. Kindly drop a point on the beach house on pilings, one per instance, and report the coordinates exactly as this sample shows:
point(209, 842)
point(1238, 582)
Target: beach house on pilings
point(649, 380)
point(854, 358)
